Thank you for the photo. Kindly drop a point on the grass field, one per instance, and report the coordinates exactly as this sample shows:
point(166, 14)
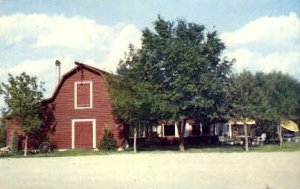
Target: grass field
point(287, 147)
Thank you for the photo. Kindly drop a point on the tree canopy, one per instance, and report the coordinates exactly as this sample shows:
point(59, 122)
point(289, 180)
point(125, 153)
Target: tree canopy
point(22, 96)
point(272, 97)
point(177, 74)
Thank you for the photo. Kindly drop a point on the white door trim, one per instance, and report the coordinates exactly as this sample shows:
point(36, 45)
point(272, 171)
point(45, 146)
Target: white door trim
point(73, 130)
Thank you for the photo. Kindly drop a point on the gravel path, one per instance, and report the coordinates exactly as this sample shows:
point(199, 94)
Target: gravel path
point(155, 170)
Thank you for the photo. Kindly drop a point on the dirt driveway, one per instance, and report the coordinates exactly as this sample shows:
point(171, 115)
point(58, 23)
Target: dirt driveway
point(155, 170)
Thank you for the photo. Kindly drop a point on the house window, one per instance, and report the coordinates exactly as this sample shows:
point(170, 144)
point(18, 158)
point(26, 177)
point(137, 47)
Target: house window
point(196, 130)
point(141, 131)
point(206, 130)
point(83, 94)
point(169, 130)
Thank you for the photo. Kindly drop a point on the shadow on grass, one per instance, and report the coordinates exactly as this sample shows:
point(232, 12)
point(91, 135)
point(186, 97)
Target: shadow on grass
point(192, 148)
point(286, 147)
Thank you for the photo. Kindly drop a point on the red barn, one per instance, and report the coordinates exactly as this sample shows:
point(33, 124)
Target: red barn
point(80, 110)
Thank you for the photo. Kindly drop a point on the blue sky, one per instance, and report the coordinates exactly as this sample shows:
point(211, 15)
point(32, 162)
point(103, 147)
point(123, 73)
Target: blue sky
point(263, 35)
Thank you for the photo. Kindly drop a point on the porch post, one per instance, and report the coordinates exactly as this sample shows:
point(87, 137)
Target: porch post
point(230, 130)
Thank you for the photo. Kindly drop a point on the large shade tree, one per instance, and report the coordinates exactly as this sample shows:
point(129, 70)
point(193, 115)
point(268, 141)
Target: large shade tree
point(283, 92)
point(179, 73)
point(130, 100)
point(22, 96)
point(273, 97)
point(248, 99)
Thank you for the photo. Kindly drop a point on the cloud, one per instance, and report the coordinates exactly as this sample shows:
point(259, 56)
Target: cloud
point(44, 31)
point(282, 30)
point(46, 38)
point(54, 31)
point(266, 44)
point(287, 62)
point(44, 69)
point(120, 45)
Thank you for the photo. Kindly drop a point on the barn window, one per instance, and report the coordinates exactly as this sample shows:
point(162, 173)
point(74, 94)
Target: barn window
point(83, 94)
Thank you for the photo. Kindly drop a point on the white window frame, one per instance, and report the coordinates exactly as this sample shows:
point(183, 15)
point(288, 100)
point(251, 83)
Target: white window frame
point(74, 121)
point(75, 94)
point(140, 134)
point(175, 128)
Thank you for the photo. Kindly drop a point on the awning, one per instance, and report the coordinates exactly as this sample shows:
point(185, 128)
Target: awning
point(290, 125)
point(239, 122)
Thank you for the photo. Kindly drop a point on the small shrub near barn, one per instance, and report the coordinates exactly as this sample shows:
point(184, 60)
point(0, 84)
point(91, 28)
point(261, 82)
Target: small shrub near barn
point(107, 142)
point(14, 143)
point(2, 133)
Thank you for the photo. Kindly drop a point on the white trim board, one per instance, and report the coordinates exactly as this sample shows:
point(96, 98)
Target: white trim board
point(73, 130)
point(75, 94)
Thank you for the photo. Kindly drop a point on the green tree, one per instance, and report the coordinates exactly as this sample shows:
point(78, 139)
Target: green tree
point(131, 100)
point(248, 99)
point(22, 95)
point(2, 132)
point(283, 92)
point(178, 73)
point(272, 97)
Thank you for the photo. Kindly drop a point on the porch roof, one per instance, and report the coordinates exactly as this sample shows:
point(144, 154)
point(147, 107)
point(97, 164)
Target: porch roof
point(240, 122)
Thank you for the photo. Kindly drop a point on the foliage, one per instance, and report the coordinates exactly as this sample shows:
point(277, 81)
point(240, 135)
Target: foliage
point(283, 92)
point(130, 100)
point(181, 62)
point(248, 98)
point(177, 74)
point(268, 98)
point(107, 142)
point(274, 96)
point(2, 133)
point(22, 95)
point(14, 143)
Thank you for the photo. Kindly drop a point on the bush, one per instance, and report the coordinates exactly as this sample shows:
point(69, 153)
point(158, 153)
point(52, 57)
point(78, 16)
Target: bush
point(2, 134)
point(107, 142)
point(14, 143)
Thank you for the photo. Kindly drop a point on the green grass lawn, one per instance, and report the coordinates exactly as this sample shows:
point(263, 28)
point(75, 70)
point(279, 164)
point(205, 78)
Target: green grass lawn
point(67, 153)
point(287, 147)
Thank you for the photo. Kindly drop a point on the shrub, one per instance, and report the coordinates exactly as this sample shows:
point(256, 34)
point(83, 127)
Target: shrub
point(107, 142)
point(14, 143)
point(2, 133)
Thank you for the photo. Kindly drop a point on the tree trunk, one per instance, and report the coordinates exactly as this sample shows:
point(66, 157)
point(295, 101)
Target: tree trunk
point(280, 135)
point(246, 138)
point(181, 135)
point(134, 139)
point(25, 145)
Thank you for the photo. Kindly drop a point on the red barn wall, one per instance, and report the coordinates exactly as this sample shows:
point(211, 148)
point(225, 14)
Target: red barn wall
point(64, 110)
point(13, 125)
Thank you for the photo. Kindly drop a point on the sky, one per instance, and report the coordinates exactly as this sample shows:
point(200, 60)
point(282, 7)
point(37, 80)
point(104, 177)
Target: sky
point(262, 35)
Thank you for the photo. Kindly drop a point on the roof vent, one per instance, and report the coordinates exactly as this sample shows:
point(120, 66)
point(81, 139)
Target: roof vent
point(57, 64)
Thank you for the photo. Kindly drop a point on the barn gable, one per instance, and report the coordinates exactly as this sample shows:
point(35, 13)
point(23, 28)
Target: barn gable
point(81, 107)
point(80, 110)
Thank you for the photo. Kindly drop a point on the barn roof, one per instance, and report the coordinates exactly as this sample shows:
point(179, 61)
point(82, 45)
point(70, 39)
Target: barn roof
point(78, 66)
